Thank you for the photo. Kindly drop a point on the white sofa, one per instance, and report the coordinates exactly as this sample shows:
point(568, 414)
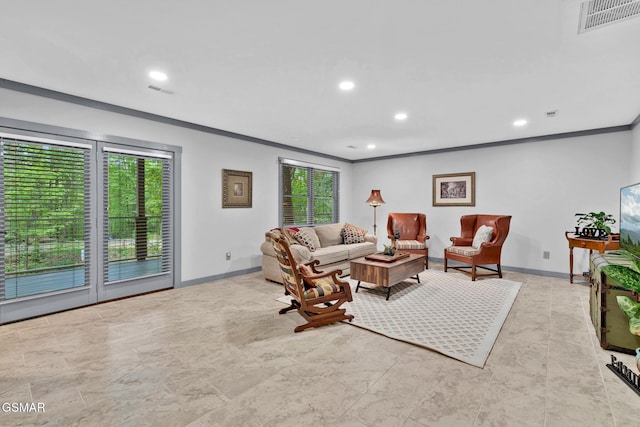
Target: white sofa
point(330, 251)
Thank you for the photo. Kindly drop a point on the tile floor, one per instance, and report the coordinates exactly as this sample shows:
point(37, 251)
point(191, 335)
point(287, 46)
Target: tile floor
point(218, 354)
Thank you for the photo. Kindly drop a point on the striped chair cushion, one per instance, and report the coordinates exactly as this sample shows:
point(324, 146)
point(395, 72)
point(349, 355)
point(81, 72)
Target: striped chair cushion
point(409, 244)
point(463, 250)
point(323, 287)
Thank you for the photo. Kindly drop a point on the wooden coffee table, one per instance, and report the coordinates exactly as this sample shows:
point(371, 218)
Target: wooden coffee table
point(386, 274)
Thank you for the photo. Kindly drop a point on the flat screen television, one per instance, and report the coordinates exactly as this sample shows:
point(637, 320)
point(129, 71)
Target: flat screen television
point(630, 219)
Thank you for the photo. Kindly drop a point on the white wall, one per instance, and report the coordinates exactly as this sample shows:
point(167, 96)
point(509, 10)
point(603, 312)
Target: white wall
point(634, 165)
point(541, 184)
point(208, 231)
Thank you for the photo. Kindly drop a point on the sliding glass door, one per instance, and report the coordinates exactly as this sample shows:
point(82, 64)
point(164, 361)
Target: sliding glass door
point(137, 220)
point(82, 222)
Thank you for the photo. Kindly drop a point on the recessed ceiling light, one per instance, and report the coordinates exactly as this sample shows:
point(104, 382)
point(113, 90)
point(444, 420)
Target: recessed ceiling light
point(520, 122)
point(158, 75)
point(401, 116)
point(371, 146)
point(346, 85)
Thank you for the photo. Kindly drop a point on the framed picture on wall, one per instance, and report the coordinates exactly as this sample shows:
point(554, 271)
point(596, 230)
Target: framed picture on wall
point(454, 189)
point(236, 188)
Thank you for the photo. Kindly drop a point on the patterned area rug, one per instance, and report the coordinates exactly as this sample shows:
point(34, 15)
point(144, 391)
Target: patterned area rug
point(445, 313)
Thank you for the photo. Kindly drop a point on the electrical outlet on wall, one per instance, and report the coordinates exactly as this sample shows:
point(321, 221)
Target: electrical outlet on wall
point(228, 256)
point(546, 255)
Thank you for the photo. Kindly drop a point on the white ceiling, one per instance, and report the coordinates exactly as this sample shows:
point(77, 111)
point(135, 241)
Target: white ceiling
point(463, 70)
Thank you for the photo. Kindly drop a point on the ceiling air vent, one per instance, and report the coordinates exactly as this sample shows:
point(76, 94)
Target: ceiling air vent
point(597, 13)
point(159, 89)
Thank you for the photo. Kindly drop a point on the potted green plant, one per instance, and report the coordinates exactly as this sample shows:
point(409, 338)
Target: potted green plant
point(595, 224)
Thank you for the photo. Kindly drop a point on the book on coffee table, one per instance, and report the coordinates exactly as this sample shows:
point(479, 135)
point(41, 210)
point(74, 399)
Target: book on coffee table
point(381, 257)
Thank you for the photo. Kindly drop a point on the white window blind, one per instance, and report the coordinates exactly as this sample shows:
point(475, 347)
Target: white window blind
point(309, 194)
point(137, 216)
point(45, 216)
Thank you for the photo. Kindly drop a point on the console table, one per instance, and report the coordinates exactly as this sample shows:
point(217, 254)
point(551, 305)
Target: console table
point(591, 244)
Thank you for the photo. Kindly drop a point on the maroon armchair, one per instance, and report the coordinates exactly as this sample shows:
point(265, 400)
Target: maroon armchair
point(477, 246)
point(411, 229)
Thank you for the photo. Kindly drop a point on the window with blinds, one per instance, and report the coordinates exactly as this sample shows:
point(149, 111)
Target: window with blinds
point(44, 217)
point(137, 216)
point(309, 194)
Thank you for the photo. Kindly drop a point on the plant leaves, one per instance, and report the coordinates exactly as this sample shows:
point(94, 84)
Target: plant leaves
point(632, 310)
point(624, 275)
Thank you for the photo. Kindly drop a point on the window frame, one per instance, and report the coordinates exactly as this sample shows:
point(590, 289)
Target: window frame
point(311, 197)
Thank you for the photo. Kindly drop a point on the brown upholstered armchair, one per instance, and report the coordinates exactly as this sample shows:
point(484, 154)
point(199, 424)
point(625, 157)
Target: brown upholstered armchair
point(477, 246)
point(408, 233)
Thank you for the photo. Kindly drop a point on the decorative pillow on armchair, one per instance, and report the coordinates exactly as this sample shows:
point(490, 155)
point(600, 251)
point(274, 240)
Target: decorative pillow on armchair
point(306, 271)
point(353, 234)
point(484, 234)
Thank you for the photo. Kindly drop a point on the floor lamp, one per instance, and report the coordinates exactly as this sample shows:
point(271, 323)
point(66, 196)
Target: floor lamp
point(375, 200)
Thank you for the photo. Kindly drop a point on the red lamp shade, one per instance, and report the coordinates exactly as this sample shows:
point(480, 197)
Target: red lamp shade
point(375, 199)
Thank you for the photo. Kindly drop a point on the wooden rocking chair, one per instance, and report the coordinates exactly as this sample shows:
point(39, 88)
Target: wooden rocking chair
point(315, 295)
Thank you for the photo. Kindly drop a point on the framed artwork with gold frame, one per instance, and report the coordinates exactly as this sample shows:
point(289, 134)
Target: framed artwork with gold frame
point(236, 188)
point(454, 189)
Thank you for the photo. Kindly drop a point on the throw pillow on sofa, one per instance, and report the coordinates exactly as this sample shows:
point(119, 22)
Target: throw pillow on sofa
point(304, 239)
point(353, 234)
